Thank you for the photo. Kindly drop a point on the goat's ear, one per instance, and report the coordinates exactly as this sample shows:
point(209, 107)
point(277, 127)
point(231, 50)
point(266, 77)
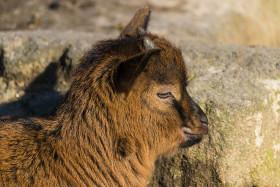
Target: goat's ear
point(140, 20)
point(128, 70)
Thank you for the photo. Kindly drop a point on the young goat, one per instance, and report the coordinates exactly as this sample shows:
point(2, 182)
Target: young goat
point(127, 105)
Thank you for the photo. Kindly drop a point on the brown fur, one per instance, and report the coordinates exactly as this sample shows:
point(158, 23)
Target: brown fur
point(117, 118)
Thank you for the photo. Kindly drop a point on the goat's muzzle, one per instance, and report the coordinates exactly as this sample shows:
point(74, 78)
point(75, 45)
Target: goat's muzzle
point(195, 127)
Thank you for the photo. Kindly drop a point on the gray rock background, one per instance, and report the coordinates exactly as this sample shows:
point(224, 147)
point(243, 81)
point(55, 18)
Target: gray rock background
point(36, 68)
point(237, 86)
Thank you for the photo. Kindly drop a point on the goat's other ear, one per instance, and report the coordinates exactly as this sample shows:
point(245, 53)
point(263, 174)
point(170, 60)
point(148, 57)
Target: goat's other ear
point(127, 71)
point(140, 20)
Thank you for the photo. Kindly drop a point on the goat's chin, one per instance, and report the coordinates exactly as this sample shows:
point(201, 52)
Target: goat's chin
point(190, 139)
point(189, 143)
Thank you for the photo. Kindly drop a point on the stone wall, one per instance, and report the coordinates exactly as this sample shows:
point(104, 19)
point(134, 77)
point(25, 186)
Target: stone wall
point(238, 87)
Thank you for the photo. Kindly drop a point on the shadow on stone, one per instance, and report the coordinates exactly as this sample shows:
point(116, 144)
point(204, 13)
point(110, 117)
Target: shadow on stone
point(40, 96)
point(2, 67)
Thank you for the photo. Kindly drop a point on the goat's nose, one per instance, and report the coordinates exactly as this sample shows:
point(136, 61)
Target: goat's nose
point(204, 120)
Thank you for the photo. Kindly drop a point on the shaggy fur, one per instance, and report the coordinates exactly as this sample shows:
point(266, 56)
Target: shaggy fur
point(127, 106)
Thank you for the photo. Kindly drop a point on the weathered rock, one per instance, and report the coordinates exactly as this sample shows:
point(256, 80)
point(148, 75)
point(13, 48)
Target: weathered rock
point(33, 63)
point(254, 22)
point(238, 87)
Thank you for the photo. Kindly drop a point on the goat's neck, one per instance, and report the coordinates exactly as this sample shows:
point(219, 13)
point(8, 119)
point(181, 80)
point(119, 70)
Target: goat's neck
point(87, 137)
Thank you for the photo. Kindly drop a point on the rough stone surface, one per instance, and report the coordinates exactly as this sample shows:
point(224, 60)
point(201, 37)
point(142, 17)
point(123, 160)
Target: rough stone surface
point(238, 87)
point(254, 22)
point(34, 63)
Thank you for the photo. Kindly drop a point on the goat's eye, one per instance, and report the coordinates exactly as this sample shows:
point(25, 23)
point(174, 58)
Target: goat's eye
point(166, 95)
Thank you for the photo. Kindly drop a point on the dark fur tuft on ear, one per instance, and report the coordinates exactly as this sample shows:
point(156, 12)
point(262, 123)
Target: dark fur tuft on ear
point(140, 19)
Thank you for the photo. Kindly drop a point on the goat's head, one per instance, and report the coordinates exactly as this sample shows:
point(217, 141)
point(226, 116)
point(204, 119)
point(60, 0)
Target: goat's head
point(148, 78)
point(157, 76)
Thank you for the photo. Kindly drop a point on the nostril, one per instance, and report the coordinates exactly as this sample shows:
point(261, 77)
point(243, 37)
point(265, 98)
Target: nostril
point(204, 120)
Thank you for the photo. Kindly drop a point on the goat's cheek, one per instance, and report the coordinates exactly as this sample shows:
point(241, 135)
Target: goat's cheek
point(160, 106)
point(151, 101)
point(180, 137)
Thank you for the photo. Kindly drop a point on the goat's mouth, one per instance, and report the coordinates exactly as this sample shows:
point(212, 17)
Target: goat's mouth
point(190, 138)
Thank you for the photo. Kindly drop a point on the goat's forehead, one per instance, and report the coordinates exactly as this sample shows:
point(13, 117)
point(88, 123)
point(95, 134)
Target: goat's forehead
point(170, 54)
point(166, 70)
point(172, 59)
point(168, 66)
point(165, 75)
